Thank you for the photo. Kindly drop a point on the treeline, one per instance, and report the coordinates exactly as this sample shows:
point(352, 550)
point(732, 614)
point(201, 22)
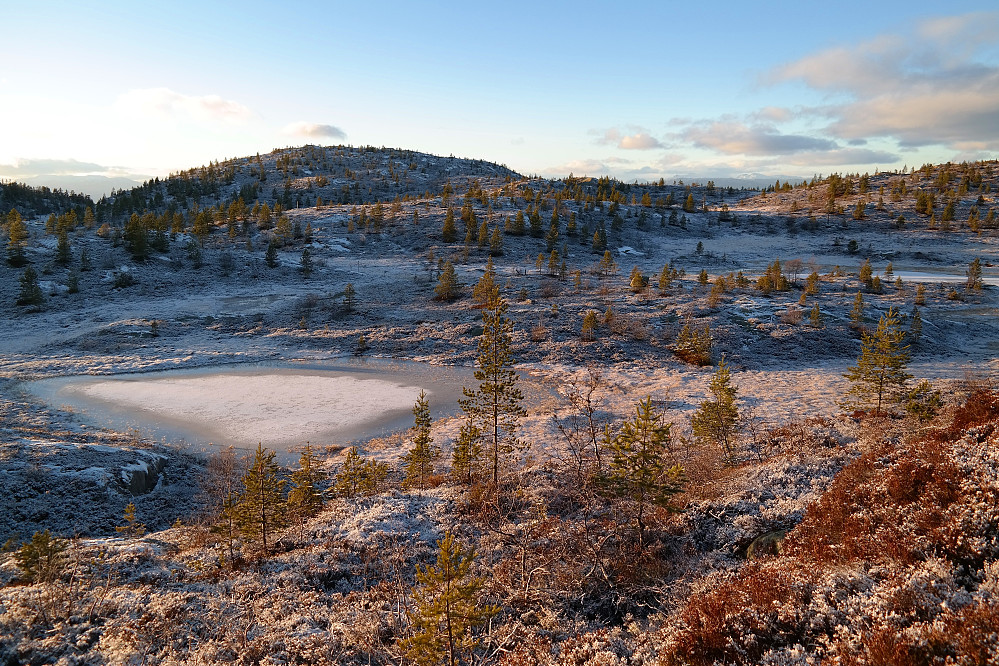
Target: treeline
point(33, 201)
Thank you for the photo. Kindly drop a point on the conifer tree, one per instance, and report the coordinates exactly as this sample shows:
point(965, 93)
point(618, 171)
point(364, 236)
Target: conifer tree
point(17, 235)
point(271, 256)
point(815, 317)
point(43, 559)
point(31, 291)
point(716, 421)
point(448, 288)
point(419, 461)
point(131, 527)
point(306, 263)
point(485, 290)
point(496, 243)
point(64, 253)
point(449, 233)
point(349, 297)
point(879, 375)
point(665, 279)
point(589, 325)
point(483, 238)
point(915, 326)
point(857, 313)
point(446, 609)
point(467, 453)
point(641, 470)
point(607, 265)
point(262, 503)
point(496, 403)
point(974, 281)
point(305, 499)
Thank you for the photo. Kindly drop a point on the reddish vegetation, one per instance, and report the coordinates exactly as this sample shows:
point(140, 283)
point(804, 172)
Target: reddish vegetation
point(902, 548)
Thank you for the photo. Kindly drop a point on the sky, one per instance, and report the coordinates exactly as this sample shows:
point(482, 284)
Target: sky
point(638, 91)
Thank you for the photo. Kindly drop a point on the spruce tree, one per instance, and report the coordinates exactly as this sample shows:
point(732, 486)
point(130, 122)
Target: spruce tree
point(349, 297)
point(485, 291)
point(358, 476)
point(641, 471)
point(857, 313)
point(43, 559)
point(17, 235)
point(419, 461)
point(974, 281)
point(64, 253)
point(31, 291)
point(496, 243)
point(306, 263)
point(716, 421)
point(449, 233)
point(448, 288)
point(446, 609)
point(467, 453)
point(305, 498)
point(915, 326)
point(879, 375)
point(496, 403)
point(262, 503)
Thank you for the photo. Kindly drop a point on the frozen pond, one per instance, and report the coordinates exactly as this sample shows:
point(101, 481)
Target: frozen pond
point(281, 405)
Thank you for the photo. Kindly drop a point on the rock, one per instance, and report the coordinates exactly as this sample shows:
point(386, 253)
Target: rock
point(766, 545)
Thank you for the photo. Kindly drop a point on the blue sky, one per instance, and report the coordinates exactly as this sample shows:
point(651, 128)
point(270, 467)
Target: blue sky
point(639, 91)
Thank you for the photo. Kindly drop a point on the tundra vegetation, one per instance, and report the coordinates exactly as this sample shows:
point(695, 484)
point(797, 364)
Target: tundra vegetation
point(724, 453)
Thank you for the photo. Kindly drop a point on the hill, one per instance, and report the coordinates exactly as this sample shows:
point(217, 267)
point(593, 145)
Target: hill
point(817, 530)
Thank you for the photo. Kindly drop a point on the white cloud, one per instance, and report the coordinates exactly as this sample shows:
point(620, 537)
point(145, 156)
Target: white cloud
point(640, 140)
point(736, 138)
point(938, 86)
point(169, 104)
point(314, 130)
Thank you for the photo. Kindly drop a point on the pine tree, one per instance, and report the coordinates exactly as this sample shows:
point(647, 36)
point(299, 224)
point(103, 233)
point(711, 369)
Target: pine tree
point(879, 375)
point(31, 291)
point(446, 609)
point(641, 470)
point(467, 453)
point(448, 288)
point(305, 499)
point(358, 476)
point(974, 281)
point(419, 461)
point(665, 279)
point(449, 233)
point(866, 274)
point(915, 327)
point(607, 265)
point(17, 235)
point(716, 421)
point(262, 504)
point(637, 281)
point(589, 325)
point(271, 256)
point(485, 291)
point(131, 527)
point(496, 243)
point(306, 264)
point(815, 317)
point(349, 297)
point(857, 313)
point(64, 253)
point(43, 559)
point(496, 403)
